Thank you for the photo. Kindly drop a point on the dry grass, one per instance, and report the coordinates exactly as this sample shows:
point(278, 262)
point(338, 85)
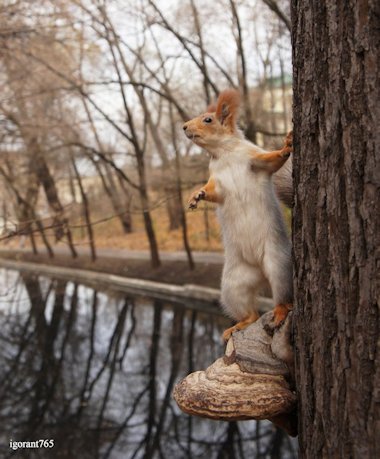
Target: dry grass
point(111, 235)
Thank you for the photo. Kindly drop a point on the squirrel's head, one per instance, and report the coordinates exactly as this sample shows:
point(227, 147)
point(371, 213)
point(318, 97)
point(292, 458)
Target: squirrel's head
point(210, 129)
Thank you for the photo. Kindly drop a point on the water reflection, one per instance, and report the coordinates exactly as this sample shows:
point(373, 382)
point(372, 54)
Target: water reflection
point(94, 371)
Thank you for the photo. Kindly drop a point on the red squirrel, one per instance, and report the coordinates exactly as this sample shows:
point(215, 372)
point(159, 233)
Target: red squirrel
point(256, 243)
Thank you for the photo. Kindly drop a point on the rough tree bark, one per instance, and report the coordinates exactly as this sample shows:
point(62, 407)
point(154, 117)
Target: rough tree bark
point(336, 226)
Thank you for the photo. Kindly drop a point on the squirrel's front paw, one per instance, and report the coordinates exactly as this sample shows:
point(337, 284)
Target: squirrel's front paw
point(288, 145)
point(195, 198)
point(289, 140)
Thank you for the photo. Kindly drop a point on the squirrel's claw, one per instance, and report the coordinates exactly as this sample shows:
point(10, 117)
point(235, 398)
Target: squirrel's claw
point(280, 314)
point(288, 145)
point(195, 198)
point(289, 140)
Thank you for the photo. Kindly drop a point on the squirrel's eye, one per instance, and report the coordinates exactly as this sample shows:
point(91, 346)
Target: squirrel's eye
point(207, 120)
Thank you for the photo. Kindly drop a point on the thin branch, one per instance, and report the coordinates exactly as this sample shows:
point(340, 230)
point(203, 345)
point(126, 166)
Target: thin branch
point(273, 6)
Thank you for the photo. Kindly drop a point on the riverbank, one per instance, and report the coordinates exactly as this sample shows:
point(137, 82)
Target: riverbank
point(173, 281)
point(174, 270)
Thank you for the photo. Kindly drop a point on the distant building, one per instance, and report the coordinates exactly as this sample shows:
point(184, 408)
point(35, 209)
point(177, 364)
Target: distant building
point(272, 103)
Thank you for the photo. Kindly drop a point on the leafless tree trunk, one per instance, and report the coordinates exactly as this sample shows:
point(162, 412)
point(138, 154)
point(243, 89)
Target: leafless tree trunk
point(119, 60)
point(206, 222)
point(154, 255)
point(283, 91)
point(182, 213)
point(204, 69)
point(336, 226)
point(86, 211)
point(122, 211)
point(26, 213)
point(250, 129)
point(61, 223)
point(274, 5)
point(188, 47)
point(121, 198)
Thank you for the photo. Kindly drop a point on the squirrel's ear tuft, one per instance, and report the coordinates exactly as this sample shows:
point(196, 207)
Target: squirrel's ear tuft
point(211, 108)
point(227, 108)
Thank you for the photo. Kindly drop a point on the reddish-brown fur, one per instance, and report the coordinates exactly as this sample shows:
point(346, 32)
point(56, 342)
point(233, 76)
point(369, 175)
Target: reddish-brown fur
point(211, 108)
point(206, 193)
point(280, 313)
point(240, 325)
point(227, 109)
point(274, 160)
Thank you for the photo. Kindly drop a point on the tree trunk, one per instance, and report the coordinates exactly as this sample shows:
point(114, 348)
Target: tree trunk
point(148, 222)
point(336, 226)
point(121, 199)
point(86, 211)
point(122, 209)
point(179, 200)
point(41, 169)
point(173, 205)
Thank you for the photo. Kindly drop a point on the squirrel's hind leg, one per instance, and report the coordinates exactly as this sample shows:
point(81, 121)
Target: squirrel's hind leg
point(240, 285)
point(278, 268)
point(240, 325)
point(280, 313)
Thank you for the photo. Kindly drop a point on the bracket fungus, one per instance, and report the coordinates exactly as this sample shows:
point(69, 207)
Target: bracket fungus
point(254, 379)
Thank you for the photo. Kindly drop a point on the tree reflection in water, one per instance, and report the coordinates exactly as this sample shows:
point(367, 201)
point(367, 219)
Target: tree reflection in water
point(94, 371)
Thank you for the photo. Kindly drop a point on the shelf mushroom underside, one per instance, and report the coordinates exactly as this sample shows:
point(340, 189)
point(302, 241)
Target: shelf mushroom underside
point(252, 381)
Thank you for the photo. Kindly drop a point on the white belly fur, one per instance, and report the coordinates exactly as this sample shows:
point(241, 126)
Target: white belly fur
point(254, 235)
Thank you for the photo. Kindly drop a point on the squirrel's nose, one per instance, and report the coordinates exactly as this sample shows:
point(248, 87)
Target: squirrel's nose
point(184, 127)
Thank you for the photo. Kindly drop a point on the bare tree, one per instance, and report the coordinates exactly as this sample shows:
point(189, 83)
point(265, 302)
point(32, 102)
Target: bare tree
point(100, 82)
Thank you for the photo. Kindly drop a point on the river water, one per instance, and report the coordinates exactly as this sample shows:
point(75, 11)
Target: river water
point(94, 372)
